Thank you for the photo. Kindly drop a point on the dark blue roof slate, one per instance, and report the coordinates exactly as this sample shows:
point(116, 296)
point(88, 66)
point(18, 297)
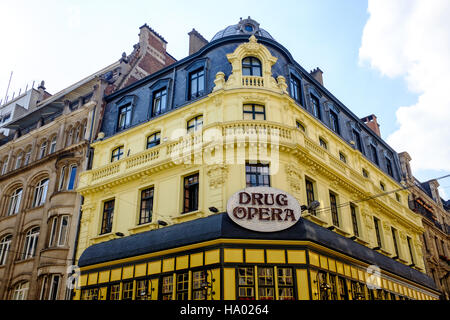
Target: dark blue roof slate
point(220, 226)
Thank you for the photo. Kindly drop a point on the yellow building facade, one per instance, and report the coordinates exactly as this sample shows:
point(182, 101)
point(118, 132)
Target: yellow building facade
point(193, 251)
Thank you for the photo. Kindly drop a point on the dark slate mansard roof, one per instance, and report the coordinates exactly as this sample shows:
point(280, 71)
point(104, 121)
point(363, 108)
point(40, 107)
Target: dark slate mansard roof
point(220, 226)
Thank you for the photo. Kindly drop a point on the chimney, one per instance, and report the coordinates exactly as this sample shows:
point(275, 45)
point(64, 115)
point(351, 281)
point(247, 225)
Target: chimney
point(196, 41)
point(317, 74)
point(41, 90)
point(371, 122)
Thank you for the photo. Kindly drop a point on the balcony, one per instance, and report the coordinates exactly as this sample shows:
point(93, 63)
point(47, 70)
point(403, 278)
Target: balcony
point(252, 82)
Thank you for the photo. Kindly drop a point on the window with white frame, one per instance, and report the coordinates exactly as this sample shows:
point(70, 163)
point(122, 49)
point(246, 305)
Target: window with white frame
point(19, 160)
point(14, 202)
point(62, 178)
point(43, 150)
point(21, 291)
point(5, 166)
point(31, 239)
point(40, 193)
point(27, 157)
point(53, 145)
point(5, 243)
point(72, 177)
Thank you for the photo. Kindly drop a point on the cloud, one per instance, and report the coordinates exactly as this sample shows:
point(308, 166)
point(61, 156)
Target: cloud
point(411, 39)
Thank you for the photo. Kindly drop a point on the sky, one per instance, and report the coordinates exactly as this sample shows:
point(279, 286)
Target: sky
point(390, 58)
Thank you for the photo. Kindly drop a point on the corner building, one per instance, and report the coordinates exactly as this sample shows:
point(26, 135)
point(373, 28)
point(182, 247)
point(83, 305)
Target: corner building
point(240, 112)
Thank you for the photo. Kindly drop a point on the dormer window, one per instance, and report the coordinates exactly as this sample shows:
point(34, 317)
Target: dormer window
point(249, 28)
point(124, 120)
point(251, 66)
point(196, 83)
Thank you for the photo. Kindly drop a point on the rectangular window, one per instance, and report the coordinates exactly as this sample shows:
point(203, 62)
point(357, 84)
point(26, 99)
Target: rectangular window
point(196, 83)
point(334, 209)
point(254, 112)
point(117, 154)
point(315, 104)
point(159, 102)
point(373, 150)
point(394, 240)
point(72, 177)
point(323, 144)
point(167, 288)
point(191, 193)
point(334, 122)
point(357, 138)
point(310, 193)
point(145, 215)
point(63, 230)
point(266, 284)
point(52, 239)
point(182, 286)
point(154, 140)
point(257, 175)
point(198, 280)
point(195, 124)
point(62, 179)
point(333, 287)
point(89, 294)
point(53, 145)
point(342, 157)
point(285, 284)
point(127, 290)
point(300, 126)
point(376, 222)
point(389, 167)
point(124, 120)
point(142, 290)
point(410, 247)
point(343, 293)
point(246, 283)
point(295, 87)
point(114, 292)
point(53, 295)
point(354, 220)
point(107, 218)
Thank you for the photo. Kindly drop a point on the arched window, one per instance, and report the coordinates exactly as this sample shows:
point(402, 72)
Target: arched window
point(18, 160)
point(40, 193)
point(154, 140)
point(251, 66)
point(27, 156)
point(31, 239)
point(53, 145)
point(14, 202)
point(5, 243)
point(21, 291)
point(195, 124)
point(5, 165)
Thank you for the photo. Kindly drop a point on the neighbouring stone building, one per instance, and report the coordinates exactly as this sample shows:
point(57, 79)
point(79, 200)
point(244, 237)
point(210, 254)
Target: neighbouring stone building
point(47, 148)
point(435, 212)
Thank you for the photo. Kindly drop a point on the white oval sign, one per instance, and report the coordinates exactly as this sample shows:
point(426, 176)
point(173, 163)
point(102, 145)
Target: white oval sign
point(263, 209)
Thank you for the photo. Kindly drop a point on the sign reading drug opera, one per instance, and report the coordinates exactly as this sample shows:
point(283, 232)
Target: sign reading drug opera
point(263, 209)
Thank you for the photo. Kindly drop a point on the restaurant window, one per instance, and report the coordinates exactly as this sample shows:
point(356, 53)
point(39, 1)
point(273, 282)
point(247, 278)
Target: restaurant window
point(196, 83)
point(254, 112)
point(333, 287)
point(167, 287)
point(90, 294)
point(182, 286)
point(266, 284)
point(127, 290)
point(191, 193)
point(159, 102)
point(117, 154)
point(295, 87)
point(246, 283)
point(285, 283)
point(145, 215)
point(195, 124)
point(114, 292)
point(257, 175)
point(343, 293)
point(124, 120)
point(142, 290)
point(334, 209)
point(354, 220)
point(310, 194)
point(154, 140)
point(107, 218)
point(198, 280)
point(251, 66)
